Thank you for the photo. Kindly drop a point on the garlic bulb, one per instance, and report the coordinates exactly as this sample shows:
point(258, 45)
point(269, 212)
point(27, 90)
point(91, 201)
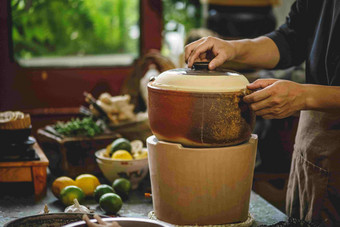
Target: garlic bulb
point(77, 208)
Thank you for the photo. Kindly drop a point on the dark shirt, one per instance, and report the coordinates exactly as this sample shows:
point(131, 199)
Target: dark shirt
point(312, 34)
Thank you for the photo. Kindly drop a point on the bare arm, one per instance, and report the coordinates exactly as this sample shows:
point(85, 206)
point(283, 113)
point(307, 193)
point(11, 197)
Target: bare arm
point(260, 52)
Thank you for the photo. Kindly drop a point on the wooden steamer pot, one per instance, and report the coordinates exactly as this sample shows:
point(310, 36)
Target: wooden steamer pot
point(200, 108)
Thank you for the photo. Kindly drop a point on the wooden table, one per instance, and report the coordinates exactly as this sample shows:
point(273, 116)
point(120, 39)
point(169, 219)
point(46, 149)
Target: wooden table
point(27, 171)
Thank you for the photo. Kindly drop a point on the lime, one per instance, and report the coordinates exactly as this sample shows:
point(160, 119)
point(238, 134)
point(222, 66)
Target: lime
point(110, 203)
point(60, 183)
point(101, 190)
point(120, 144)
point(122, 187)
point(88, 183)
point(121, 155)
point(69, 193)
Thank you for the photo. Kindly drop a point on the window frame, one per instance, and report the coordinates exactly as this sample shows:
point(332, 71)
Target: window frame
point(43, 88)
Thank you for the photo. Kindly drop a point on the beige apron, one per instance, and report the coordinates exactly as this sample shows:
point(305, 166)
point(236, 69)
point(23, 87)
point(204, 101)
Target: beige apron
point(314, 183)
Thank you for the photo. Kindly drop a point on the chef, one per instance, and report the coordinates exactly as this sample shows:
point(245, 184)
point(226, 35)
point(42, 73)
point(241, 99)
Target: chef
point(311, 33)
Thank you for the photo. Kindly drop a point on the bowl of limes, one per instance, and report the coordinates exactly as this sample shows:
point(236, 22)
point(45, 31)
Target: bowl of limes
point(124, 159)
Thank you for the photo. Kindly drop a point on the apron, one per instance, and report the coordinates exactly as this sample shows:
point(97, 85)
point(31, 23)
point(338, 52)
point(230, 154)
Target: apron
point(313, 192)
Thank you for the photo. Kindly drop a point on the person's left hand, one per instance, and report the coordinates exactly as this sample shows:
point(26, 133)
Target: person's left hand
point(275, 98)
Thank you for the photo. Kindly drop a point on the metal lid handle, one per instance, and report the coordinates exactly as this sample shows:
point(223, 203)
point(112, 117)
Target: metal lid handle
point(204, 65)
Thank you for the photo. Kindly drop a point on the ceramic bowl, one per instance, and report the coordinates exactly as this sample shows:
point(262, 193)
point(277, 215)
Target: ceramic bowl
point(134, 170)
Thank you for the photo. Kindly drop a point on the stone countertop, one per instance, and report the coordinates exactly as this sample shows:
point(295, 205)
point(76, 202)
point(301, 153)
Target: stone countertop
point(18, 201)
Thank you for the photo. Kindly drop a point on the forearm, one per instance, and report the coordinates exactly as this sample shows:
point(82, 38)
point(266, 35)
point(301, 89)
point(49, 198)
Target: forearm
point(260, 52)
point(322, 98)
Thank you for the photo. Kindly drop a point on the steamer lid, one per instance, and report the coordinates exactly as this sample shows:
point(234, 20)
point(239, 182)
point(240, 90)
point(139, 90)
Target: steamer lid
point(200, 79)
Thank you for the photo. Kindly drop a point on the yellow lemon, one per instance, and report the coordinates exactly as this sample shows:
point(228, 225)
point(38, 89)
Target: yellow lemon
point(107, 151)
point(121, 155)
point(69, 193)
point(60, 183)
point(120, 144)
point(88, 183)
point(141, 154)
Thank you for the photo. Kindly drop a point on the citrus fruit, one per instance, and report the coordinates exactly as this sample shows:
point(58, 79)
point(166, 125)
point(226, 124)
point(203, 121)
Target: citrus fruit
point(110, 203)
point(141, 154)
point(60, 183)
point(121, 155)
point(107, 151)
point(69, 193)
point(101, 190)
point(136, 146)
point(88, 183)
point(122, 187)
point(120, 144)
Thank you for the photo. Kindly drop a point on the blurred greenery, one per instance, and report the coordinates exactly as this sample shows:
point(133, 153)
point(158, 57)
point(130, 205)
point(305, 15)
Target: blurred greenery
point(52, 28)
point(43, 28)
point(184, 12)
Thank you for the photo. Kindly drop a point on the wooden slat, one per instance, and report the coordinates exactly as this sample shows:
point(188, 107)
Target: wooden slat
point(15, 174)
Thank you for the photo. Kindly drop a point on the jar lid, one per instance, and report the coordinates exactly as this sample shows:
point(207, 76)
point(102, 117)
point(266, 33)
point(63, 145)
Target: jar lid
point(200, 79)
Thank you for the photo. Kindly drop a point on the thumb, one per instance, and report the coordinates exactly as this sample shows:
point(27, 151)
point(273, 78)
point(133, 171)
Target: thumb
point(217, 61)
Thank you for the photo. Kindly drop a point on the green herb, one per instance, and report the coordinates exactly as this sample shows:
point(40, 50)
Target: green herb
point(79, 127)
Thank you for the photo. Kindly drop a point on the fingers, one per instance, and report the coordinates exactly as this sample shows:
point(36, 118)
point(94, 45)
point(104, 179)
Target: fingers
point(257, 96)
point(218, 60)
point(199, 49)
point(190, 47)
point(261, 83)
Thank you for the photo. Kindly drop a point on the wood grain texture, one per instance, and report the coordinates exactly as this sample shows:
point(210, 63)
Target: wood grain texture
point(15, 174)
point(39, 175)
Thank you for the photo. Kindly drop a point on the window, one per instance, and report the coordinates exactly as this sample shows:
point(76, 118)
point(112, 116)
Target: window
point(75, 33)
point(180, 17)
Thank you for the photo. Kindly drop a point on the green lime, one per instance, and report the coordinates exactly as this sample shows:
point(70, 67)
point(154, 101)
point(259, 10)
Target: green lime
point(101, 190)
point(69, 193)
point(122, 187)
point(110, 203)
point(120, 144)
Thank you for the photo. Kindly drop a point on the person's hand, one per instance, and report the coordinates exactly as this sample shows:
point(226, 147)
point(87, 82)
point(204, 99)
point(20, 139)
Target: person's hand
point(275, 98)
point(209, 48)
point(101, 223)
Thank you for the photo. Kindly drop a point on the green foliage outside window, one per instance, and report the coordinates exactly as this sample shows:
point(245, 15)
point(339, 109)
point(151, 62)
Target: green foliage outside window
point(42, 28)
point(184, 12)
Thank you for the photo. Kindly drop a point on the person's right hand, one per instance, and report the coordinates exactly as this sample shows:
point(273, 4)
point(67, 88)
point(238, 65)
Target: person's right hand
point(209, 48)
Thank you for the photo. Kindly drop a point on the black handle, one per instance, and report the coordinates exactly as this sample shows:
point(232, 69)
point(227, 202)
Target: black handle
point(204, 65)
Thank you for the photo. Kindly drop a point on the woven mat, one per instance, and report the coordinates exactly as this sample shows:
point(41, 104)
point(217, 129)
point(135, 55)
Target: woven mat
point(246, 223)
